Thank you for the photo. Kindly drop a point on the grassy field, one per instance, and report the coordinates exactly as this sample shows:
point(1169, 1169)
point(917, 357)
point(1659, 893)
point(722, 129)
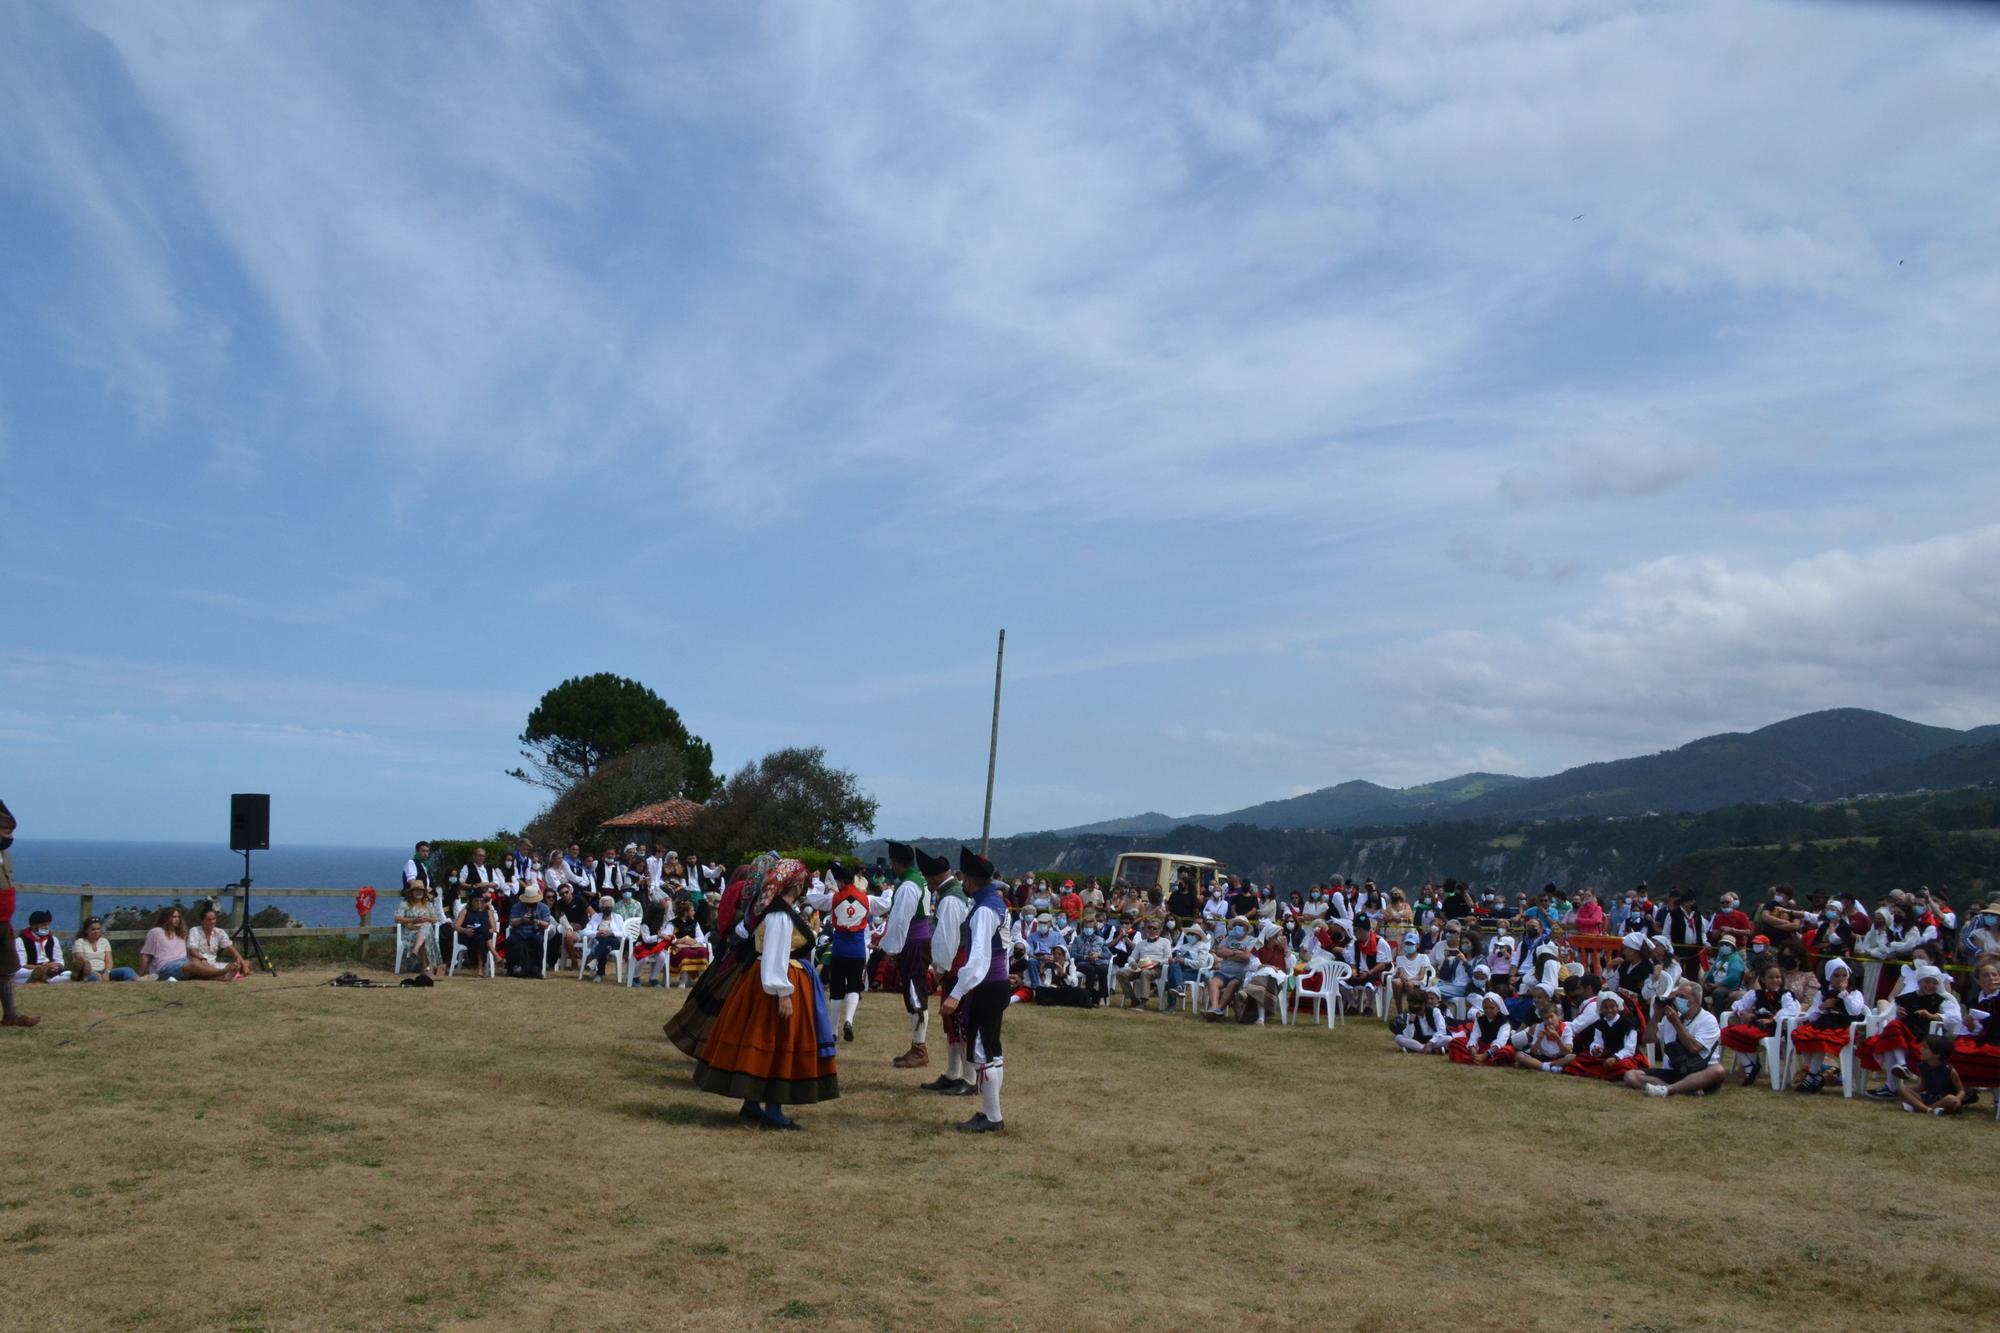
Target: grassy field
point(278, 1154)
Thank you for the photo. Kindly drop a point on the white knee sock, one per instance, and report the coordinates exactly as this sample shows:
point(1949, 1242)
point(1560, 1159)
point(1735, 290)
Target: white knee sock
point(989, 1089)
point(954, 1061)
point(848, 1004)
point(1892, 1065)
point(920, 1027)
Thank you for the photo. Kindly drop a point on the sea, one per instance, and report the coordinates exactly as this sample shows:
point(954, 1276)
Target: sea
point(188, 870)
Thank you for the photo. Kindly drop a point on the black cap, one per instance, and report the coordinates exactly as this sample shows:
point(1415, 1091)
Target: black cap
point(842, 872)
point(972, 863)
point(931, 865)
point(902, 854)
point(37, 917)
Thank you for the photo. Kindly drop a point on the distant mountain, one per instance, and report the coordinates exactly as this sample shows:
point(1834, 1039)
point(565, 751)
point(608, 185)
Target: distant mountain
point(1960, 766)
point(1809, 757)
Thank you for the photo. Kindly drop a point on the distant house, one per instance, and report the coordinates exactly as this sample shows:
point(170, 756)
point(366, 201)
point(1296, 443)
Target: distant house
point(654, 823)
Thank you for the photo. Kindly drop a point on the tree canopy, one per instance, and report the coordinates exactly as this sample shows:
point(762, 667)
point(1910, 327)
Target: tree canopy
point(650, 773)
point(789, 798)
point(587, 720)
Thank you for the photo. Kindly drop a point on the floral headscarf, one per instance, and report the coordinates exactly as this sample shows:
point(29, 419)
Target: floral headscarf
point(784, 874)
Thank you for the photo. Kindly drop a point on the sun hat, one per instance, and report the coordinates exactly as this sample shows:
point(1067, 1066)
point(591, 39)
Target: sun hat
point(531, 894)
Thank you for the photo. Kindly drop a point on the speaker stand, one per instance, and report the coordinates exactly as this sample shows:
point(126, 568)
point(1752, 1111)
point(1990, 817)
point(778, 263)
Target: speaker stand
point(247, 942)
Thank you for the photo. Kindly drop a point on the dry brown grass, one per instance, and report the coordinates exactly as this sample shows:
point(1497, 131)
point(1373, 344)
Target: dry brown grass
point(269, 1155)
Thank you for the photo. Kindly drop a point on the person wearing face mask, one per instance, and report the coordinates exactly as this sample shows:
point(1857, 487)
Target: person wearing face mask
point(1725, 970)
point(1426, 1030)
point(1756, 1015)
point(1731, 919)
point(1190, 959)
point(1232, 964)
point(1691, 1041)
point(1929, 1007)
point(1828, 1025)
point(1215, 911)
point(1779, 917)
point(1410, 973)
point(1607, 1040)
point(1983, 937)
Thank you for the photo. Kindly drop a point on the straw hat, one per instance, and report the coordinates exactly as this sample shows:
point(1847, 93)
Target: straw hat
point(532, 894)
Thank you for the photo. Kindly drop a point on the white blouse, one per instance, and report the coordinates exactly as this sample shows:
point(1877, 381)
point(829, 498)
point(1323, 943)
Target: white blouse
point(775, 961)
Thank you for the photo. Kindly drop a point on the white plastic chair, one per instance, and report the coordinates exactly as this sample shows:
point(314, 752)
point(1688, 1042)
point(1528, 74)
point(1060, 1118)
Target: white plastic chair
point(1332, 975)
point(458, 954)
point(614, 962)
point(1194, 992)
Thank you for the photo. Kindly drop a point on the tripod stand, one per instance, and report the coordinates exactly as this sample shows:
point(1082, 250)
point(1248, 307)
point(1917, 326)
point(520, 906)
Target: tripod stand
point(247, 942)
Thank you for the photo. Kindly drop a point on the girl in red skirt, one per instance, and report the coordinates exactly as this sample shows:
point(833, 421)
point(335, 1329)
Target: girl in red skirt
point(1929, 1008)
point(1756, 1015)
point(1606, 1039)
point(772, 1043)
point(1826, 1028)
point(1486, 1042)
point(1976, 1053)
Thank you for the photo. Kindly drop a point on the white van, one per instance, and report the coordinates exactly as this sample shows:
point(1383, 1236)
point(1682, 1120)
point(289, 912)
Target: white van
point(1161, 870)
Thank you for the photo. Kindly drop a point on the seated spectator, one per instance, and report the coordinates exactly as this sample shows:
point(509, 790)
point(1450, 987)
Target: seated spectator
point(690, 952)
point(528, 927)
point(603, 934)
point(418, 917)
point(1043, 940)
point(1927, 1007)
point(1937, 1087)
point(652, 943)
point(1755, 1016)
point(1779, 918)
point(1368, 954)
point(1501, 963)
point(1828, 1025)
point(1976, 1053)
point(1425, 1030)
point(1146, 967)
point(211, 954)
point(1410, 975)
point(477, 927)
point(1691, 1042)
point(1191, 957)
point(1090, 953)
point(90, 956)
point(1270, 969)
point(1488, 1040)
point(1663, 977)
point(1724, 977)
point(1232, 964)
point(1398, 916)
point(38, 953)
point(1547, 1043)
point(163, 953)
point(1606, 1035)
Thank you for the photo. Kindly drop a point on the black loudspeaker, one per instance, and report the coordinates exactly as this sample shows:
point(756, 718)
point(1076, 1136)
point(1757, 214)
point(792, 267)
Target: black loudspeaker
point(249, 822)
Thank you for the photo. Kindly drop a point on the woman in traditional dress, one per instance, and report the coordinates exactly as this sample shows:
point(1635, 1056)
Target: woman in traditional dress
point(1976, 1053)
point(689, 1028)
point(772, 1042)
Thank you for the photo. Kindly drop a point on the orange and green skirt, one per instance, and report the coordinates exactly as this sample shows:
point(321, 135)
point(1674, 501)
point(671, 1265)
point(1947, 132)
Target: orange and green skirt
point(755, 1054)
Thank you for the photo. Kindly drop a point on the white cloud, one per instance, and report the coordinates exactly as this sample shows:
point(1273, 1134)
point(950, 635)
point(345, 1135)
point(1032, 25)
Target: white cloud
point(1672, 648)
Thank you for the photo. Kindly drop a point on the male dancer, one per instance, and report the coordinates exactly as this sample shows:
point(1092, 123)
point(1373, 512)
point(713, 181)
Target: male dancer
point(982, 987)
point(947, 956)
point(907, 939)
point(849, 907)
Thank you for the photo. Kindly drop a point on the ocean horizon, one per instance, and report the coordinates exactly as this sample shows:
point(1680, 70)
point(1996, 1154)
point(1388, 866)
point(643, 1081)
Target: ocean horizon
point(186, 870)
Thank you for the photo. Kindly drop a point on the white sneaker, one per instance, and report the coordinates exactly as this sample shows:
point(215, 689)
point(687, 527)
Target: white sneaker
point(1656, 1089)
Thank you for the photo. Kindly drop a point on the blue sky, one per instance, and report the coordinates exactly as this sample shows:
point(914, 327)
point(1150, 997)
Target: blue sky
point(367, 369)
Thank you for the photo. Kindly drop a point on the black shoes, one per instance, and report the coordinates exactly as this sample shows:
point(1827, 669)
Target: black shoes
point(979, 1124)
point(847, 1031)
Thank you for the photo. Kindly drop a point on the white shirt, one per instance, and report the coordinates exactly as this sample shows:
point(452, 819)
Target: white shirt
point(985, 926)
point(774, 961)
point(206, 945)
point(909, 894)
point(1156, 951)
point(652, 872)
point(1702, 1024)
point(90, 959)
point(599, 920)
point(950, 928)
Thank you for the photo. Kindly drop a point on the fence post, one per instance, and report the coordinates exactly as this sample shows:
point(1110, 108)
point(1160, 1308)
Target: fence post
point(361, 940)
point(83, 908)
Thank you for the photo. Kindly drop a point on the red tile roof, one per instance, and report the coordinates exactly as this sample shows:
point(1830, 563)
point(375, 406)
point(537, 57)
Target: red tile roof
point(676, 813)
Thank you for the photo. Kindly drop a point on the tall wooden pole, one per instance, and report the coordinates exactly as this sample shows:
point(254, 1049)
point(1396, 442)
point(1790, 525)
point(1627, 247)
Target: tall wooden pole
point(993, 747)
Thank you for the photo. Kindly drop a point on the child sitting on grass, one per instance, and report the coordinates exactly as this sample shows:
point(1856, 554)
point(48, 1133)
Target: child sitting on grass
point(1936, 1088)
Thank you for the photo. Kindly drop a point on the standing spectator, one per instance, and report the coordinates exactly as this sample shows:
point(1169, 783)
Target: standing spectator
point(1779, 918)
point(1731, 920)
point(1215, 912)
point(206, 945)
point(1071, 901)
point(38, 953)
point(9, 1015)
point(1589, 916)
point(1185, 901)
point(163, 953)
point(417, 870)
point(90, 956)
